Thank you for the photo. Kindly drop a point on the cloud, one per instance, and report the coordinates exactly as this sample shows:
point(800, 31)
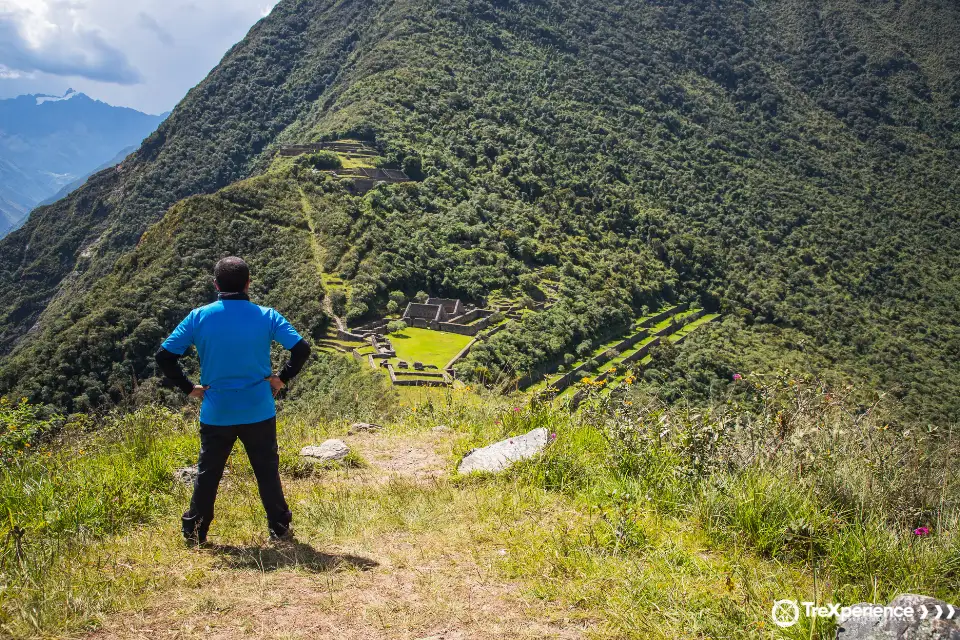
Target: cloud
point(144, 54)
point(49, 36)
point(150, 23)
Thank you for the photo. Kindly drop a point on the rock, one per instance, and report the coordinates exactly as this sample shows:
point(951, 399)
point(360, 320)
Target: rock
point(418, 366)
point(440, 428)
point(188, 475)
point(329, 451)
point(916, 627)
point(501, 455)
point(364, 427)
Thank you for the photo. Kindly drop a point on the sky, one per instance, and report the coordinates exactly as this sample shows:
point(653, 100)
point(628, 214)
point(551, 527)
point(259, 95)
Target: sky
point(144, 54)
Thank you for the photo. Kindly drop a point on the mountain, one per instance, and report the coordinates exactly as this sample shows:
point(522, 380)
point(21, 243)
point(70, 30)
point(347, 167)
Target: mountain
point(76, 184)
point(49, 142)
point(791, 163)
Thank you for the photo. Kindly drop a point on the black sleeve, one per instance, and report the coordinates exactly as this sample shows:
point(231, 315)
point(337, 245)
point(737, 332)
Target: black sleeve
point(298, 358)
point(169, 363)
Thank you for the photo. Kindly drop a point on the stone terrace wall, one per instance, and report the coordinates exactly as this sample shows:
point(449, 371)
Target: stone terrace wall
point(465, 329)
point(663, 315)
point(470, 316)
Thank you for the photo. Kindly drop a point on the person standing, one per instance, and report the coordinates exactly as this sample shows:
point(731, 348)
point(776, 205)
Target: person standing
point(237, 388)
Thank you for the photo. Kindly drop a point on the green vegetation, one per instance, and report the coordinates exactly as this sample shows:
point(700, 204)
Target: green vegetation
point(795, 173)
point(322, 161)
point(429, 347)
point(641, 519)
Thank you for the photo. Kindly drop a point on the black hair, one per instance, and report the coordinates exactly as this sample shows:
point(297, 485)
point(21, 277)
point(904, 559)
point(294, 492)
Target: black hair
point(231, 275)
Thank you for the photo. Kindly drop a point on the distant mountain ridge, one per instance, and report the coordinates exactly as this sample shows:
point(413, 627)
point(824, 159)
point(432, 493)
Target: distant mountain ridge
point(48, 143)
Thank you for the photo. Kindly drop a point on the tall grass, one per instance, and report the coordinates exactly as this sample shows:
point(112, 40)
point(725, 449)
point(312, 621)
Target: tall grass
point(787, 468)
point(57, 502)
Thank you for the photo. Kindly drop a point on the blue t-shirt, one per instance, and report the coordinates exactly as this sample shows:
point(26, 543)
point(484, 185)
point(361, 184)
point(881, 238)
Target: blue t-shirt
point(233, 339)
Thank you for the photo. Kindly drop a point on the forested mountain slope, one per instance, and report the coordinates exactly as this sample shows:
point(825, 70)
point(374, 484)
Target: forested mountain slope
point(791, 162)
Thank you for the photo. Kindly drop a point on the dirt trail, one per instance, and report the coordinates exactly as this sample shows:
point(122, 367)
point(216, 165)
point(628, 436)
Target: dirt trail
point(410, 585)
point(317, 252)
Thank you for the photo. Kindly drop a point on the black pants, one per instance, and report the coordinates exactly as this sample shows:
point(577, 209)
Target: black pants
point(260, 442)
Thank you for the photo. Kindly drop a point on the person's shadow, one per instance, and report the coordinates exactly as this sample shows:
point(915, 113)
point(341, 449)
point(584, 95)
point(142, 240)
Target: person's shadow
point(294, 554)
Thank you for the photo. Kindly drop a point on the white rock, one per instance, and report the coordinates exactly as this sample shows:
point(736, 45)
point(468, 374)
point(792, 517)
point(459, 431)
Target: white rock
point(329, 451)
point(440, 428)
point(932, 626)
point(188, 475)
point(501, 455)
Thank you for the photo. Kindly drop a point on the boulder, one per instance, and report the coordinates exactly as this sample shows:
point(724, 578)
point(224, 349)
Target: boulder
point(329, 451)
point(418, 366)
point(501, 455)
point(365, 427)
point(927, 623)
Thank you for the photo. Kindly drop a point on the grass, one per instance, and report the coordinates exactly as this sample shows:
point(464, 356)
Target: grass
point(429, 347)
point(639, 521)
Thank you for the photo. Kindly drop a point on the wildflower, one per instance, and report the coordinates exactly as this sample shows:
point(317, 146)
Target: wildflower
point(553, 436)
point(737, 377)
point(516, 408)
point(921, 531)
point(496, 422)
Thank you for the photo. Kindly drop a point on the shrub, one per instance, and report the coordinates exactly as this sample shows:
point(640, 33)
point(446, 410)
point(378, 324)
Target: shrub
point(323, 161)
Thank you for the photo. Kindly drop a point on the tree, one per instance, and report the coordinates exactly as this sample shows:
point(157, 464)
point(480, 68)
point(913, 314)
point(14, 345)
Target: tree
point(323, 160)
point(338, 301)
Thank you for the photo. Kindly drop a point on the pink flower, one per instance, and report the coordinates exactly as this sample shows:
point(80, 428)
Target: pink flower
point(516, 408)
point(553, 436)
point(921, 531)
point(737, 377)
point(496, 422)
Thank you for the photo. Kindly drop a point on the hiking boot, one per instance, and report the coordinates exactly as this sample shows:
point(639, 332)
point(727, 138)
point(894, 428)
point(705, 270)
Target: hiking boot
point(194, 539)
point(286, 536)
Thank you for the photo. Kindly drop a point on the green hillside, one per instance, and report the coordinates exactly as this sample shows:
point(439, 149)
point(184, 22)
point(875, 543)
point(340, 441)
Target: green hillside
point(789, 163)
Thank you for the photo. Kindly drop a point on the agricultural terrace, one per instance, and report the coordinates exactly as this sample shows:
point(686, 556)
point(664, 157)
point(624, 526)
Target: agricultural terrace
point(426, 346)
